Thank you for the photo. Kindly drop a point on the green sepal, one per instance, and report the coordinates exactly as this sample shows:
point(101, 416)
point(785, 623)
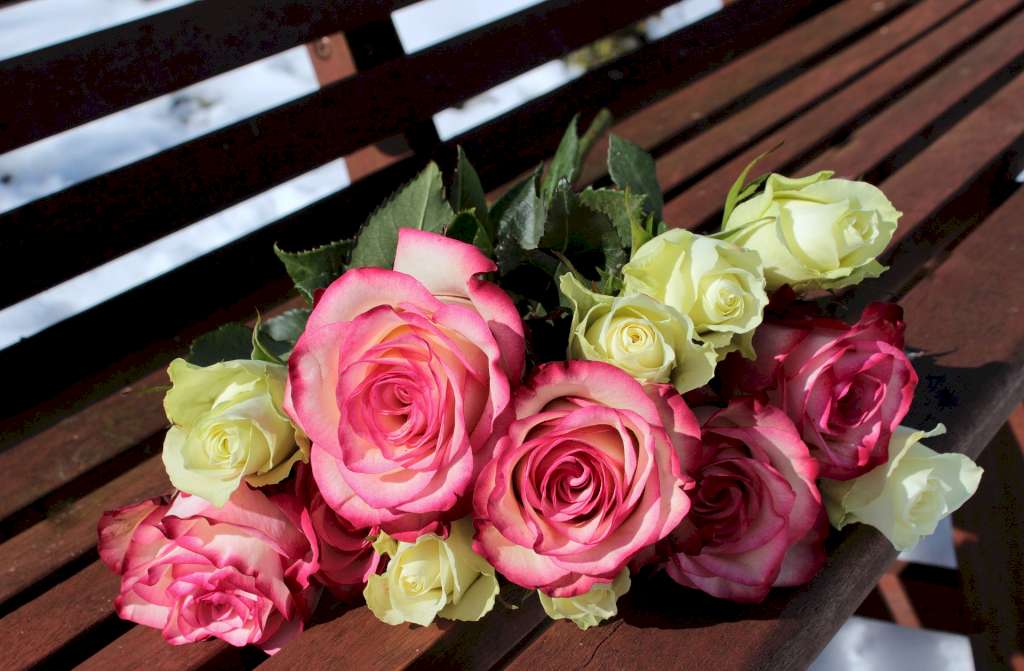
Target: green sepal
point(274, 339)
point(739, 191)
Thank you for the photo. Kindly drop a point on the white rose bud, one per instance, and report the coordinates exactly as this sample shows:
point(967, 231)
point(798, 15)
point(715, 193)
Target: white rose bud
point(717, 284)
point(432, 577)
point(815, 232)
point(228, 426)
point(649, 340)
point(906, 497)
point(590, 608)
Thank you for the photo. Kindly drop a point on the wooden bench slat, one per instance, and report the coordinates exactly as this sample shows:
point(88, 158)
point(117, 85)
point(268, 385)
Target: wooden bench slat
point(68, 84)
point(344, 641)
point(851, 104)
point(697, 105)
point(70, 533)
point(114, 213)
point(685, 163)
point(145, 648)
point(917, 116)
point(664, 624)
point(700, 55)
point(971, 380)
point(34, 632)
point(979, 157)
point(95, 437)
point(44, 462)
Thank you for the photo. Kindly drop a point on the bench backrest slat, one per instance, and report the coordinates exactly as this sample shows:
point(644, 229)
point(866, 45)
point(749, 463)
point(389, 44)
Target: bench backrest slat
point(71, 83)
point(119, 211)
point(114, 213)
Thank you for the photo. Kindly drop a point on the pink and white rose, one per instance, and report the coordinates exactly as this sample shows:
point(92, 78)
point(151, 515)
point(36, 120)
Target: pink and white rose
point(756, 514)
point(240, 573)
point(401, 379)
point(587, 476)
point(845, 387)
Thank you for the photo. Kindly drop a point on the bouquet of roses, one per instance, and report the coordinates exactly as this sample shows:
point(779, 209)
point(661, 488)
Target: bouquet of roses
point(554, 390)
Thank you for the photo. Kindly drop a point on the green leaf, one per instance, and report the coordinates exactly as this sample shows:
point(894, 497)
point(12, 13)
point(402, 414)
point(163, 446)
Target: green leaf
point(466, 227)
point(274, 339)
point(520, 221)
point(738, 192)
point(633, 168)
point(624, 208)
point(419, 204)
point(565, 165)
point(315, 268)
point(227, 343)
point(571, 151)
point(468, 192)
point(575, 230)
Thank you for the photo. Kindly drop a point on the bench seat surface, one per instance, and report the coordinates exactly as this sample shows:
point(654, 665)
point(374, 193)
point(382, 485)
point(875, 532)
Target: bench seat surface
point(924, 98)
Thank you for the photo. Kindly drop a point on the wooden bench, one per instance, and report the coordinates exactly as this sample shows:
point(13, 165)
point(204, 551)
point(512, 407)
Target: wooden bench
point(924, 98)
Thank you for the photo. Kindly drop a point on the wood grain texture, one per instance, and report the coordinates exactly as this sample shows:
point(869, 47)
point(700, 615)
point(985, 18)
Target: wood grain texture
point(683, 164)
point(34, 632)
point(736, 83)
point(44, 462)
point(355, 639)
point(70, 532)
point(850, 106)
point(145, 648)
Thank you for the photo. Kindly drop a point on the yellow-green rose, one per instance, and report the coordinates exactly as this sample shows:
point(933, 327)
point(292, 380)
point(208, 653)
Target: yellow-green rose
point(590, 608)
point(906, 497)
point(717, 284)
point(815, 232)
point(432, 576)
point(228, 425)
point(649, 340)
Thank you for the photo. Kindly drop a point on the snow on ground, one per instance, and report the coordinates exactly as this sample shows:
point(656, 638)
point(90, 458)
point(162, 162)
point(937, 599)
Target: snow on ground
point(113, 141)
point(27, 26)
point(870, 645)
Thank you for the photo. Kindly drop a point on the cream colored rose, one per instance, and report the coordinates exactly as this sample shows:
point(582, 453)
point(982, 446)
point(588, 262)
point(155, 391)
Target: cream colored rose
point(649, 340)
point(590, 608)
point(715, 283)
point(906, 497)
point(228, 425)
point(815, 232)
point(432, 577)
